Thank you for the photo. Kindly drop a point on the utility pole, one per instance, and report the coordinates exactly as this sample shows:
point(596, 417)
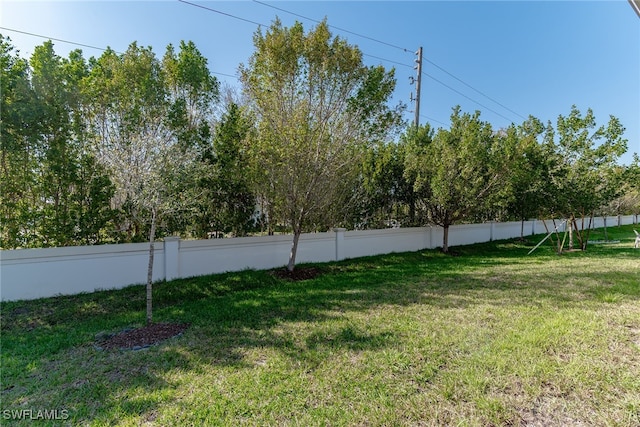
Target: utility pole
point(418, 68)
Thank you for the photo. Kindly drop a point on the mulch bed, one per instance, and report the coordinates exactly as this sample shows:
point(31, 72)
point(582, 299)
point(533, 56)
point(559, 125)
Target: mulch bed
point(301, 273)
point(139, 338)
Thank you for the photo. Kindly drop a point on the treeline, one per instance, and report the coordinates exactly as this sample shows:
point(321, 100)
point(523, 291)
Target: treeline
point(131, 145)
point(91, 148)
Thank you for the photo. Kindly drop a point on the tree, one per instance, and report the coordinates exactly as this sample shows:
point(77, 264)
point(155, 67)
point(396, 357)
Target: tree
point(193, 93)
point(55, 194)
point(585, 173)
point(529, 177)
point(74, 191)
point(318, 107)
point(136, 139)
point(226, 203)
point(58, 169)
point(389, 194)
point(629, 200)
point(236, 202)
point(18, 149)
point(457, 173)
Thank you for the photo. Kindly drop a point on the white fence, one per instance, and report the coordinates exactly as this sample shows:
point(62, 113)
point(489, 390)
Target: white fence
point(37, 273)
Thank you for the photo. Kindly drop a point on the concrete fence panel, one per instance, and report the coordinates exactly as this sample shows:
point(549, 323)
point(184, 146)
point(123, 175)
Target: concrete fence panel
point(628, 219)
point(376, 242)
point(467, 234)
point(510, 230)
point(200, 257)
point(37, 273)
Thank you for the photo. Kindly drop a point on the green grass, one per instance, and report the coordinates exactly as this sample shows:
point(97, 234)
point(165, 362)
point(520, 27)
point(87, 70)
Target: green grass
point(488, 337)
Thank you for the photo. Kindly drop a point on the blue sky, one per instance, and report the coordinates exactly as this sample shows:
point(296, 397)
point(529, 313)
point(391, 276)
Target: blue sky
point(534, 58)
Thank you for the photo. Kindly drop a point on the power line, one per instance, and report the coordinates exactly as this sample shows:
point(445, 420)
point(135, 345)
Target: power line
point(263, 25)
point(398, 63)
point(311, 19)
point(340, 29)
point(387, 60)
point(225, 74)
point(469, 98)
point(212, 72)
point(90, 46)
point(433, 120)
point(236, 77)
point(222, 13)
point(333, 26)
point(364, 54)
point(635, 4)
point(471, 87)
point(53, 38)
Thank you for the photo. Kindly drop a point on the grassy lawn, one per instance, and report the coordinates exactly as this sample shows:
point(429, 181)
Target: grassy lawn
point(488, 337)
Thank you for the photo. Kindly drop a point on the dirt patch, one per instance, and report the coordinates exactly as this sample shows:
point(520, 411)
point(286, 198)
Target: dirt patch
point(303, 273)
point(139, 338)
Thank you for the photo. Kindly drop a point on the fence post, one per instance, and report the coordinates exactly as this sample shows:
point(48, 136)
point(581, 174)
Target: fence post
point(171, 257)
point(339, 243)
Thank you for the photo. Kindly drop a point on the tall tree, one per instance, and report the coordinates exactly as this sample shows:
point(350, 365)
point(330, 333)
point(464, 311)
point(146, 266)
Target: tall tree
point(18, 150)
point(130, 114)
point(193, 93)
point(58, 167)
point(55, 195)
point(236, 202)
point(458, 172)
point(226, 203)
point(75, 191)
point(318, 106)
point(529, 178)
point(92, 189)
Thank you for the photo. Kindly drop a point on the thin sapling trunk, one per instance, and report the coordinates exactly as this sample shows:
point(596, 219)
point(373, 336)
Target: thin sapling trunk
point(152, 235)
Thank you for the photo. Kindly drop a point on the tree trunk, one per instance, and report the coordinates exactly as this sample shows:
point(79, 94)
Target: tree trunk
point(445, 240)
point(585, 241)
point(580, 231)
point(571, 219)
point(152, 235)
point(412, 212)
point(560, 243)
point(294, 250)
point(522, 230)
